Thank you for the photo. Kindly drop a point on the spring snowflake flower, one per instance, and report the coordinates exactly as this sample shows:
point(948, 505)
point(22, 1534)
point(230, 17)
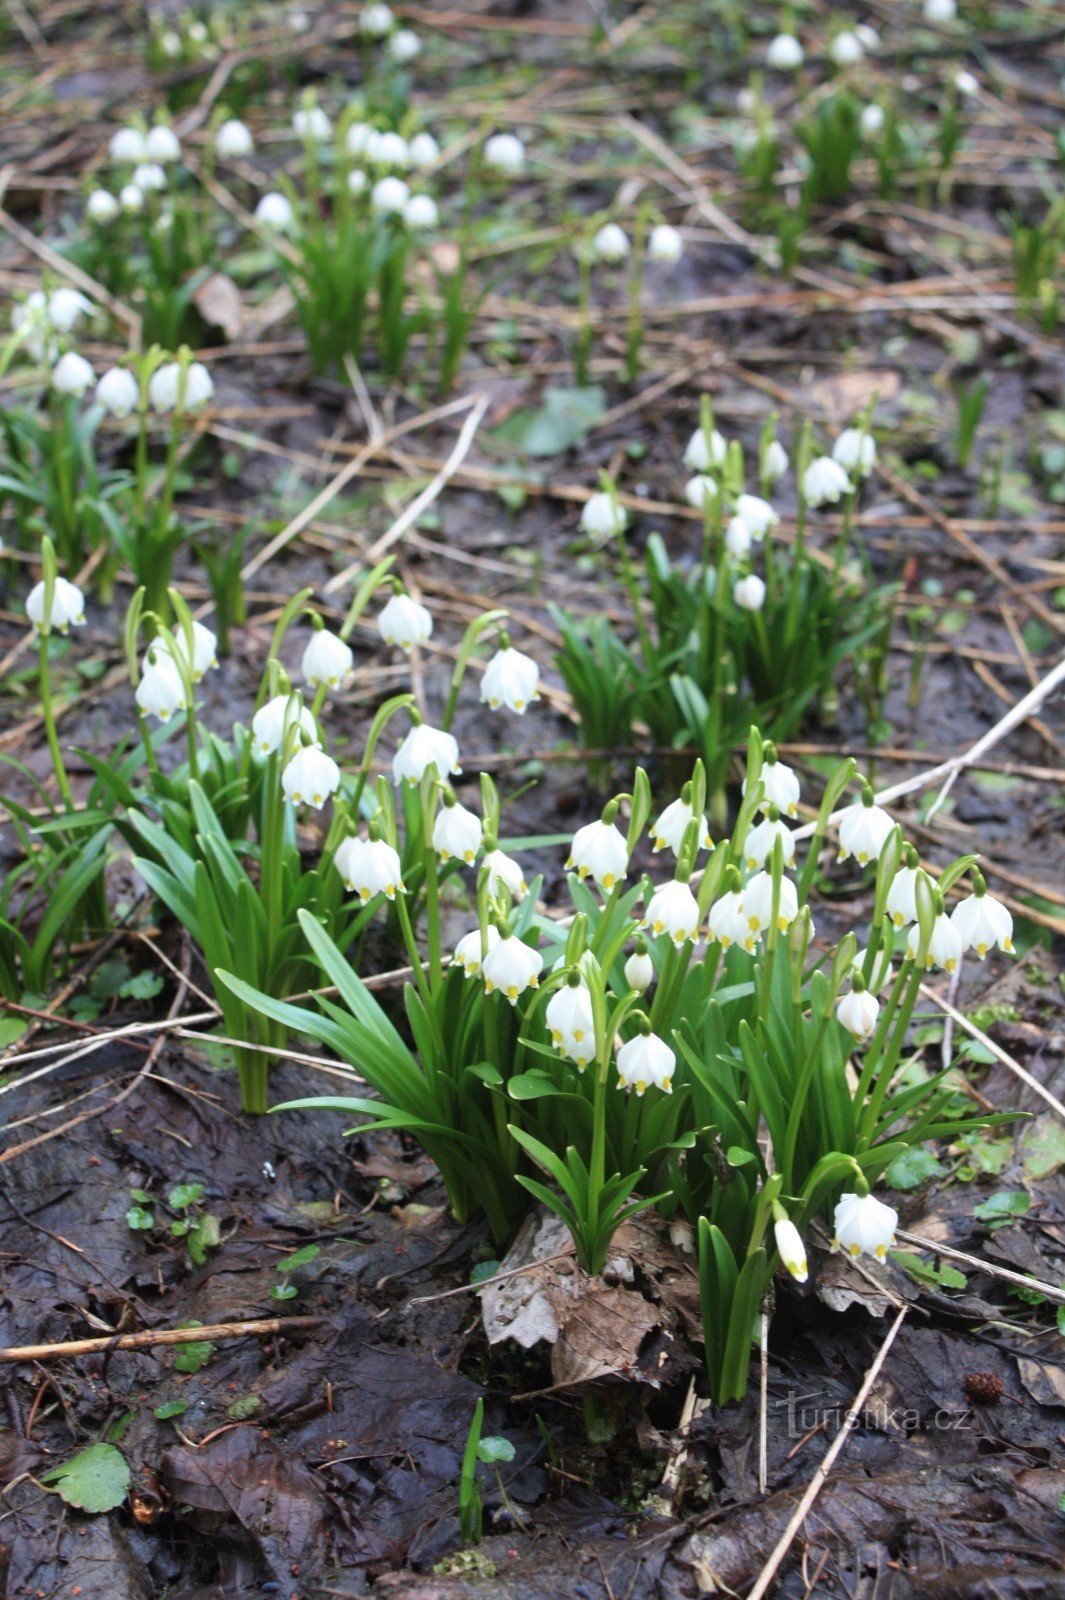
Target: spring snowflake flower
point(846, 48)
point(126, 147)
point(646, 1061)
point(855, 449)
point(67, 609)
point(389, 196)
point(149, 178)
point(602, 516)
point(790, 1248)
point(639, 971)
point(511, 679)
point(327, 660)
point(268, 723)
point(376, 20)
point(311, 122)
point(774, 462)
point(233, 139)
point(457, 833)
point(165, 392)
point(673, 910)
point(275, 212)
point(824, 482)
point(939, 12)
point(673, 824)
point(101, 207)
point(858, 1011)
point(505, 154)
point(759, 843)
point(421, 212)
point(425, 747)
point(901, 902)
point(204, 649)
point(600, 850)
point(424, 152)
point(982, 922)
point(369, 867)
point(310, 777)
point(780, 787)
point(738, 539)
point(749, 593)
point(871, 124)
point(944, 948)
point(864, 1226)
point(664, 244)
point(512, 966)
point(785, 53)
point(130, 199)
point(66, 308)
point(404, 46)
point(867, 37)
point(360, 138)
point(864, 830)
point(118, 392)
point(390, 150)
point(701, 491)
point(468, 950)
point(404, 622)
point(966, 84)
point(162, 144)
point(160, 691)
point(357, 180)
point(72, 374)
point(504, 873)
point(758, 903)
point(757, 513)
point(701, 456)
point(611, 243)
point(728, 922)
point(571, 1024)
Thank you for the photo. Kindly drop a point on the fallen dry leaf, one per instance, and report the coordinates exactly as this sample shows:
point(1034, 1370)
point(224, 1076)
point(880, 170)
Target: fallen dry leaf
point(845, 394)
point(218, 301)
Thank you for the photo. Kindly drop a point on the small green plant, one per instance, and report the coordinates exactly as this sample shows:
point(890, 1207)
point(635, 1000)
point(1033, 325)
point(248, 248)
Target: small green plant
point(286, 1289)
point(481, 1450)
point(186, 1218)
point(970, 400)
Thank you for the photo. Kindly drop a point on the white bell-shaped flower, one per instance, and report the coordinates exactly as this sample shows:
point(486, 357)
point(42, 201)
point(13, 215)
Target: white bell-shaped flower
point(983, 922)
point(759, 843)
point(310, 777)
point(311, 122)
point(701, 455)
point(504, 153)
point(824, 482)
point(728, 922)
point(425, 747)
point(774, 462)
point(274, 212)
point(269, 723)
point(420, 212)
point(644, 1062)
point(72, 374)
point(149, 178)
point(939, 11)
point(901, 904)
point(130, 199)
point(160, 691)
point(757, 513)
point(376, 20)
point(602, 516)
point(664, 244)
point(369, 867)
point(204, 649)
point(669, 830)
point(758, 903)
point(511, 679)
point(457, 833)
point(858, 1011)
point(674, 911)
point(780, 788)
point(701, 491)
point(864, 1226)
point(966, 84)
point(571, 1024)
point(738, 539)
point(599, 850)
point(389, 196)
point(404, 46)
point(404, 622)
point(870, 126)
point(639, 971)
point(511, 967)
point(790, 1248)
point(162, 144)
point(101, 207)
point(785, 53)
point(864, 830)
point(233, 139)
point(504, 873)
point(424, 152)
point(67, 609)
point(118, 392)
point(67, 307)
point(846, 48)
point(945, 947)
point(468, 950)
point(390, 149)
point(855, 449)
point(166, 391)
point(749, 593)
point(327, 660)
point(126, 147)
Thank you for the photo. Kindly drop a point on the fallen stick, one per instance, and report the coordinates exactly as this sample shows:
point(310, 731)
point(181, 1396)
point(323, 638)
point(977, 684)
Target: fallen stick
point(156, 1336)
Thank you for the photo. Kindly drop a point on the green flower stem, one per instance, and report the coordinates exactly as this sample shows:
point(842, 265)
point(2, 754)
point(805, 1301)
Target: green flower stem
point(432, 894)
point(875, 1102)
point(48, 714)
